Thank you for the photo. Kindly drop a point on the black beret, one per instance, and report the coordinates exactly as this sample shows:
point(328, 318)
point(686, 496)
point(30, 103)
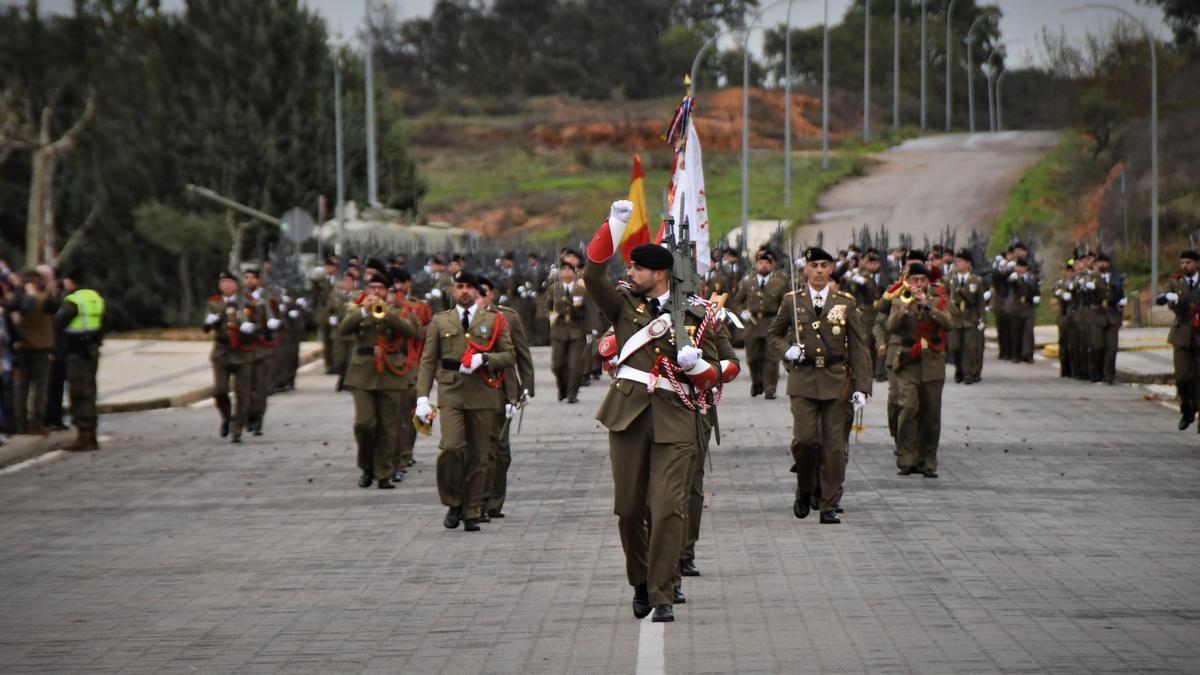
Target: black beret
point(1103, 257)
point(1023, 262)
point(764, 255)
point(1088, 254)
point(378, 278)
point(918, 269)
point(484, 281)
point(1190, 255)
point(465, 277)
point(1020, 244)
point(914, 254)
point(457, 257)
point(965, 254)
point(376, 264)
point(652, 257)
point(564, 265)
point(816, 254)
point(226, 274)
point(508, 256)
point(400, 275)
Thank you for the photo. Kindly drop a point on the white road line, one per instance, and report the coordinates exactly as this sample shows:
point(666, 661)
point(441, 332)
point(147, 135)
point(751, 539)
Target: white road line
point(32, 461)
point(650, 659)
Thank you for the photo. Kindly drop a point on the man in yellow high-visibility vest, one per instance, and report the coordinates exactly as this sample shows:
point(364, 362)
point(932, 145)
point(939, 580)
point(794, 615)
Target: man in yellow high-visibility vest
point(81, 318)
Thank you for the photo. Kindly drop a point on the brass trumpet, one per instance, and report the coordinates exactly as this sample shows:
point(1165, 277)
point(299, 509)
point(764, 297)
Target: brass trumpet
point(906, 293)
point(379, 311)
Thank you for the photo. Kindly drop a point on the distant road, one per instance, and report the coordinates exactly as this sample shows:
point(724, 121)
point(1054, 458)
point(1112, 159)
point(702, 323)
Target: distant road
point(922, 185)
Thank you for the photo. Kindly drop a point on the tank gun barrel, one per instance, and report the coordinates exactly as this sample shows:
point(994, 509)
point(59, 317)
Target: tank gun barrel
point(213, 196)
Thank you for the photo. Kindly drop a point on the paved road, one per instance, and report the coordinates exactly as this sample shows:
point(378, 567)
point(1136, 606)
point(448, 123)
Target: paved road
point(1062, 536)
point(921, 186)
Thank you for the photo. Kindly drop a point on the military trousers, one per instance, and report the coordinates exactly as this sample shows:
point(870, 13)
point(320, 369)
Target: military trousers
point(764, 364)
point(963, 345)
point(650, 485)
point(1064, 347)
point(1104, 339)
point(239, 373)
point(499, 459)
point(406, 435)
point(326, 332)
point(1187, 378)
point(376, 423)
point(919, 426)
point(462, 457)
point(1021, 335)
point(262, 382)
point(819, 448)
point(695, 503)
point(81, 381)
point(31, 377)
point(1003, 331)
point(566, 362)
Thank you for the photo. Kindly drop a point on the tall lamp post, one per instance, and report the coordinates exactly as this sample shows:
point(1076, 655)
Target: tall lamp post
point(369, 72)
point(895, 68)
point(949, 58)
point(999, 100)
point(787, 110)
point(336, 45)
point(922, 65)
point(971, 72)
point(866, 129)
point(1153, 136)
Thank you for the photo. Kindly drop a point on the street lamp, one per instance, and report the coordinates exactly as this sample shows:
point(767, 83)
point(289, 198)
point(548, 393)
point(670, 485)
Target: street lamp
point(787, 110)
point(922, 65)
point(992, 71)
point(1153, 136)
point(336, 45)
point(369, 71)
point(867, 74)
point(971, 72)
point(999, 101)
point(949, 58)
point(896, 69)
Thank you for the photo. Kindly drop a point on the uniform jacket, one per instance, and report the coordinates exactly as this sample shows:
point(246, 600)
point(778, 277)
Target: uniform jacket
point(230, 345)
point(520, 376)
point(568, 310)
point(966, 300)
point(837, 358)
point(1182, 333)
point(1021, 292)
point(445, 343)
point(761, 301)
point(673, 422)
point(380, 351)
point(1108, 293)
point(929, 344)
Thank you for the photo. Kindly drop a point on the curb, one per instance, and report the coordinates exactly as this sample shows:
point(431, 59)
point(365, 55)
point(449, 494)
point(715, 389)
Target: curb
point(20, 448)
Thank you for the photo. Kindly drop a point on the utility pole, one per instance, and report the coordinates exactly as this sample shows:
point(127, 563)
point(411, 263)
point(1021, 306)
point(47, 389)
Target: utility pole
point(866, 131)
point(895, 70)
point(372, 193)
point(923, 59)
point(949, 58)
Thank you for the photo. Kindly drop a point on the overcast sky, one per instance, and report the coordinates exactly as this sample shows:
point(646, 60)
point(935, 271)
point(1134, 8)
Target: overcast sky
point(1021, 24)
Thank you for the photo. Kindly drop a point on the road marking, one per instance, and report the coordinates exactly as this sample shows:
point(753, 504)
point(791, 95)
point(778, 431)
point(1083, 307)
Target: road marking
point(650, 659)
point(32, 461)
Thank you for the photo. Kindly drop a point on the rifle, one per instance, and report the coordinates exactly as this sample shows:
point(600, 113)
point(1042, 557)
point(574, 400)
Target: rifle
point(684, 284)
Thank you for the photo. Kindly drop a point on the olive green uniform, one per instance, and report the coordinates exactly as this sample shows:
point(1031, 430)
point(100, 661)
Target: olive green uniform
point(836, 362)
point(1062, 295)
point(1104, 325)
point(407, 436)
point(567, 308)
point(919, 378)
point(1184, 339)
point(517, 380)
point(262, 377)
point(324, 305)
point(232, 356)
point(652, 441)
point(1023, 297)
point(760, 297)
point(467, 404)
point(966, 316)
point(864, 286)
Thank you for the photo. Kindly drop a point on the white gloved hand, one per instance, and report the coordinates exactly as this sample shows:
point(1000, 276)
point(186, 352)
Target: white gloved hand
point(476, 361)
point(1122, 302)
point(621, 210)
point(587, 339)
point(333, 321)
point(1066, 296)
point(509, 410)
point(1091, 285)
point(435, 293)
point(858, 401)
point(211, 319)
point(1010, 264)
point(1013, 276)
point(1171, 297)
point(859, 279)
point(303, 302)
point(503, 299)
point(294, 313)
point(793, 353)
point(982, 325)
point(688, 356)
point(423, 411)
point(525, 395)
point(272, 324)
point(987, 295)
point(1037, 299)
point(745, 315)
point(247, 327)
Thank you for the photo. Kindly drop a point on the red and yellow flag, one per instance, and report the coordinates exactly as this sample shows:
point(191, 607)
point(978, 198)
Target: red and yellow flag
point(638, 231)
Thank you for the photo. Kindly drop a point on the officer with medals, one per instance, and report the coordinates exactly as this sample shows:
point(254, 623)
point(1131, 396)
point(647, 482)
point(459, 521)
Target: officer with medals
point(758, 296)
point(1181, 295)
point(650, 409)
point(827, 355)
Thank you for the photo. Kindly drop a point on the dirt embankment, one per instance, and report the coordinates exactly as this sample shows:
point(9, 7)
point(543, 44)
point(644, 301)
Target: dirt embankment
point(1093, 202)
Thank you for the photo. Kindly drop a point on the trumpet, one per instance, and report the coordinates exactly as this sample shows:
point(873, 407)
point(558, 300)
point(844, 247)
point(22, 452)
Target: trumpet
point(379, 311)
point(906, 293)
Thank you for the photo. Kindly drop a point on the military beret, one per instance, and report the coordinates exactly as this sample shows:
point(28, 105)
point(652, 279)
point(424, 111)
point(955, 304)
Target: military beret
point(508, 256)
point(564, 265)
point(915, 254)
point(400, 275)
point(965, 254)
point(652, 257)
point(437, 260)
point(484, 281)
point(331, 260)
point(1104, 257)
point(817, 254)
point(1023, 262)
point(457, 257)
point(376, 264)
point(226, 274)
point(918, 270)
point(465, 277)
point(1088, 254)
point(1020, 244)
point(378, 278)
point(77, 275)
point(1190, 255)
point(764, 255)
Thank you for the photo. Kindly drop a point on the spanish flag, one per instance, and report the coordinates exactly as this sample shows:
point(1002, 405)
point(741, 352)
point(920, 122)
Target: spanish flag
point(638, 231)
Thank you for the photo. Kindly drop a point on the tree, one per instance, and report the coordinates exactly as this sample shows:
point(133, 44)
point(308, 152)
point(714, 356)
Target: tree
point(731, 65)
point(1183, 16)
point(1099, 116)
point(185, 237)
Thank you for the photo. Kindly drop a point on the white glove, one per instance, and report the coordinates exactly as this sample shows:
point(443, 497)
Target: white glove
point(858, 401)
point(1171, 297)
point(1066, 296)
point(1037, 299)
point(1013, 276)
point(859, 279)
point(621, 210)
point(509, 410)
point(577, 300)
point(435, 293)
point(587, 339)
point(1091, 285)
point(793, 353)
point(503, 299)
point(525, 395)
point(211, 319)
point(1121, 302)
point(333, 321)
point(294, 313)
point(688, 356)
point(424, 411)
point(303, 302)
point(987, 295)
point(476, 361)
point(982, 325)
point(1010, 264)
point(247, 327)
point(272, 324)
point(745, 315)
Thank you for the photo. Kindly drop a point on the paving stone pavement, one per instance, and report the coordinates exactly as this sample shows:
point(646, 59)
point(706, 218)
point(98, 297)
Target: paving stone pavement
point(1062, 536)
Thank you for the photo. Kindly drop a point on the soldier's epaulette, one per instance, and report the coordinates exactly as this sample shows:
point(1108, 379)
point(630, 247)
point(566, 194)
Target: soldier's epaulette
point(844, 294)
point(445, 311)
point(795, 292)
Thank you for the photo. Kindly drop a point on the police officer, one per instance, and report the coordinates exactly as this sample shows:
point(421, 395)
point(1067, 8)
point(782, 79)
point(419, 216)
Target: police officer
point(81, 319)
point(757, 299)
point(967, 317)
point(827, 352)
point(652, 432)
point(466, 352)
point(234, 320)
point(1182, 296)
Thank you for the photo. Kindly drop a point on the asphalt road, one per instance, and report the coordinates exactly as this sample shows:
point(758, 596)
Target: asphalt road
point(1062, 536)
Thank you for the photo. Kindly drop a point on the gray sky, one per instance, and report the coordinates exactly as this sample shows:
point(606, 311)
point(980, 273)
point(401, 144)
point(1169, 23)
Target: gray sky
point(1021, 24)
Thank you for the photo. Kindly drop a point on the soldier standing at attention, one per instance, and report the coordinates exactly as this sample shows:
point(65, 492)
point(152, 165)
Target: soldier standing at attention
point(1062, 293)
point(234, 319)
point(1182, 296)
point(376, 376)
point(652, 432)
point(758, 297)
point(410, 307)
point(967, 318)
point(325, 306)
point(466, 351)
point(1002, 268)
point(81, 318)
point(827, 352)
point(262, 377)
point(566, 303)
point(518, 387)
point(917, 325)
point(866, 286)
point(1105, 320)
point(343, 296)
